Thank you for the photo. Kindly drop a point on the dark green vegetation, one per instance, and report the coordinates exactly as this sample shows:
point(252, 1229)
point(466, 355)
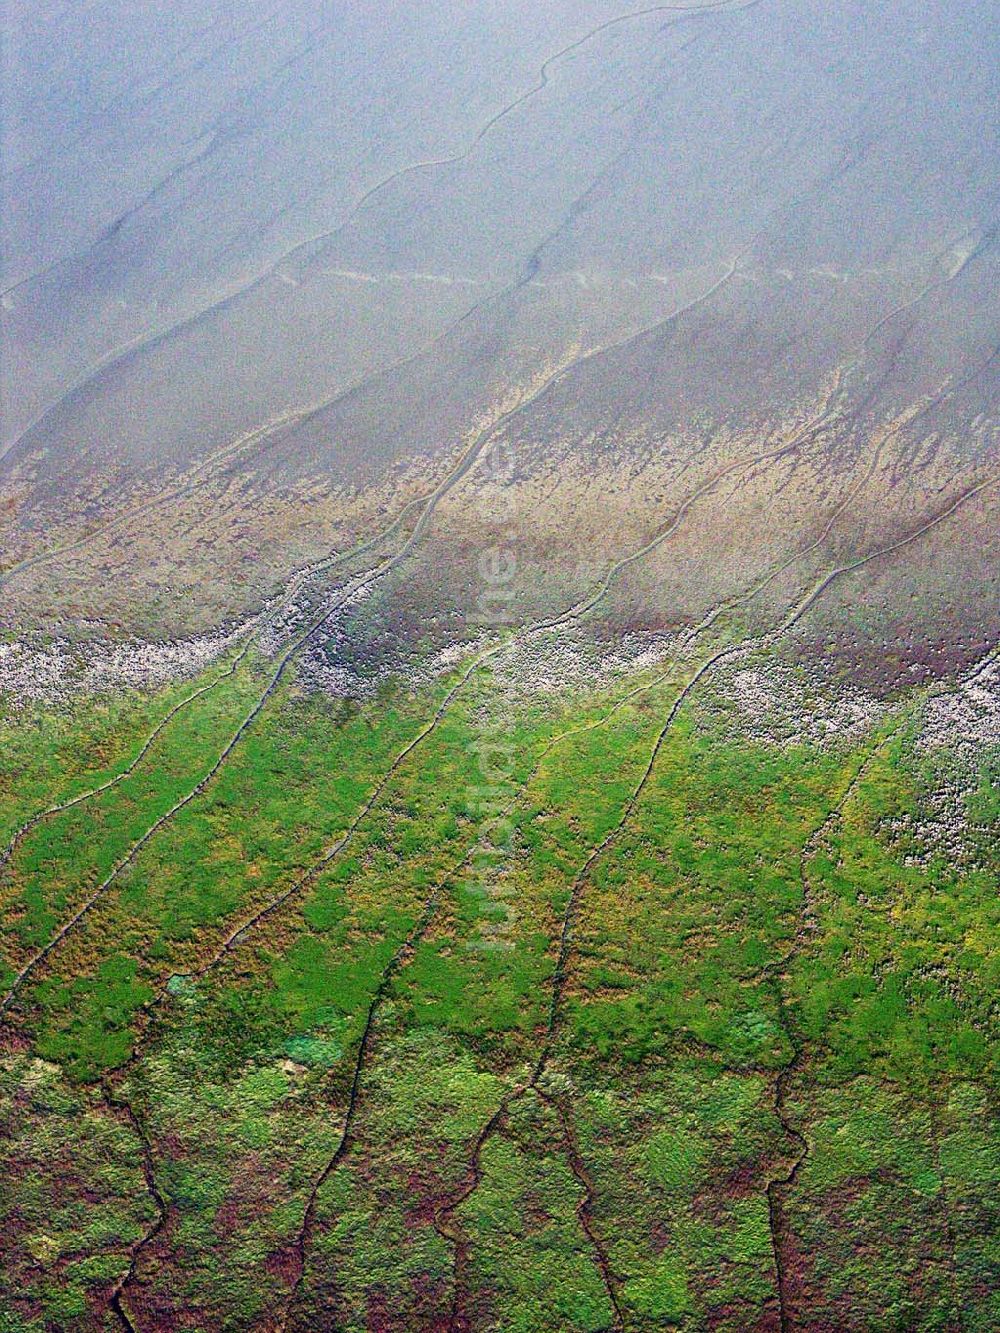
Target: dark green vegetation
point(754, 1088)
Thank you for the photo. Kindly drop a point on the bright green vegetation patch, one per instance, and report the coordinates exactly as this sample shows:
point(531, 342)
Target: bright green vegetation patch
point(289, 789)
point(770, 1041)
point(50, 755)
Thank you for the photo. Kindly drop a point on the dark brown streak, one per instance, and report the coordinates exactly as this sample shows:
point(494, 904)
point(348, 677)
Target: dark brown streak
point(780, 1185)
point(585, 1207)
point(125, 1110)
point(396, 962)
